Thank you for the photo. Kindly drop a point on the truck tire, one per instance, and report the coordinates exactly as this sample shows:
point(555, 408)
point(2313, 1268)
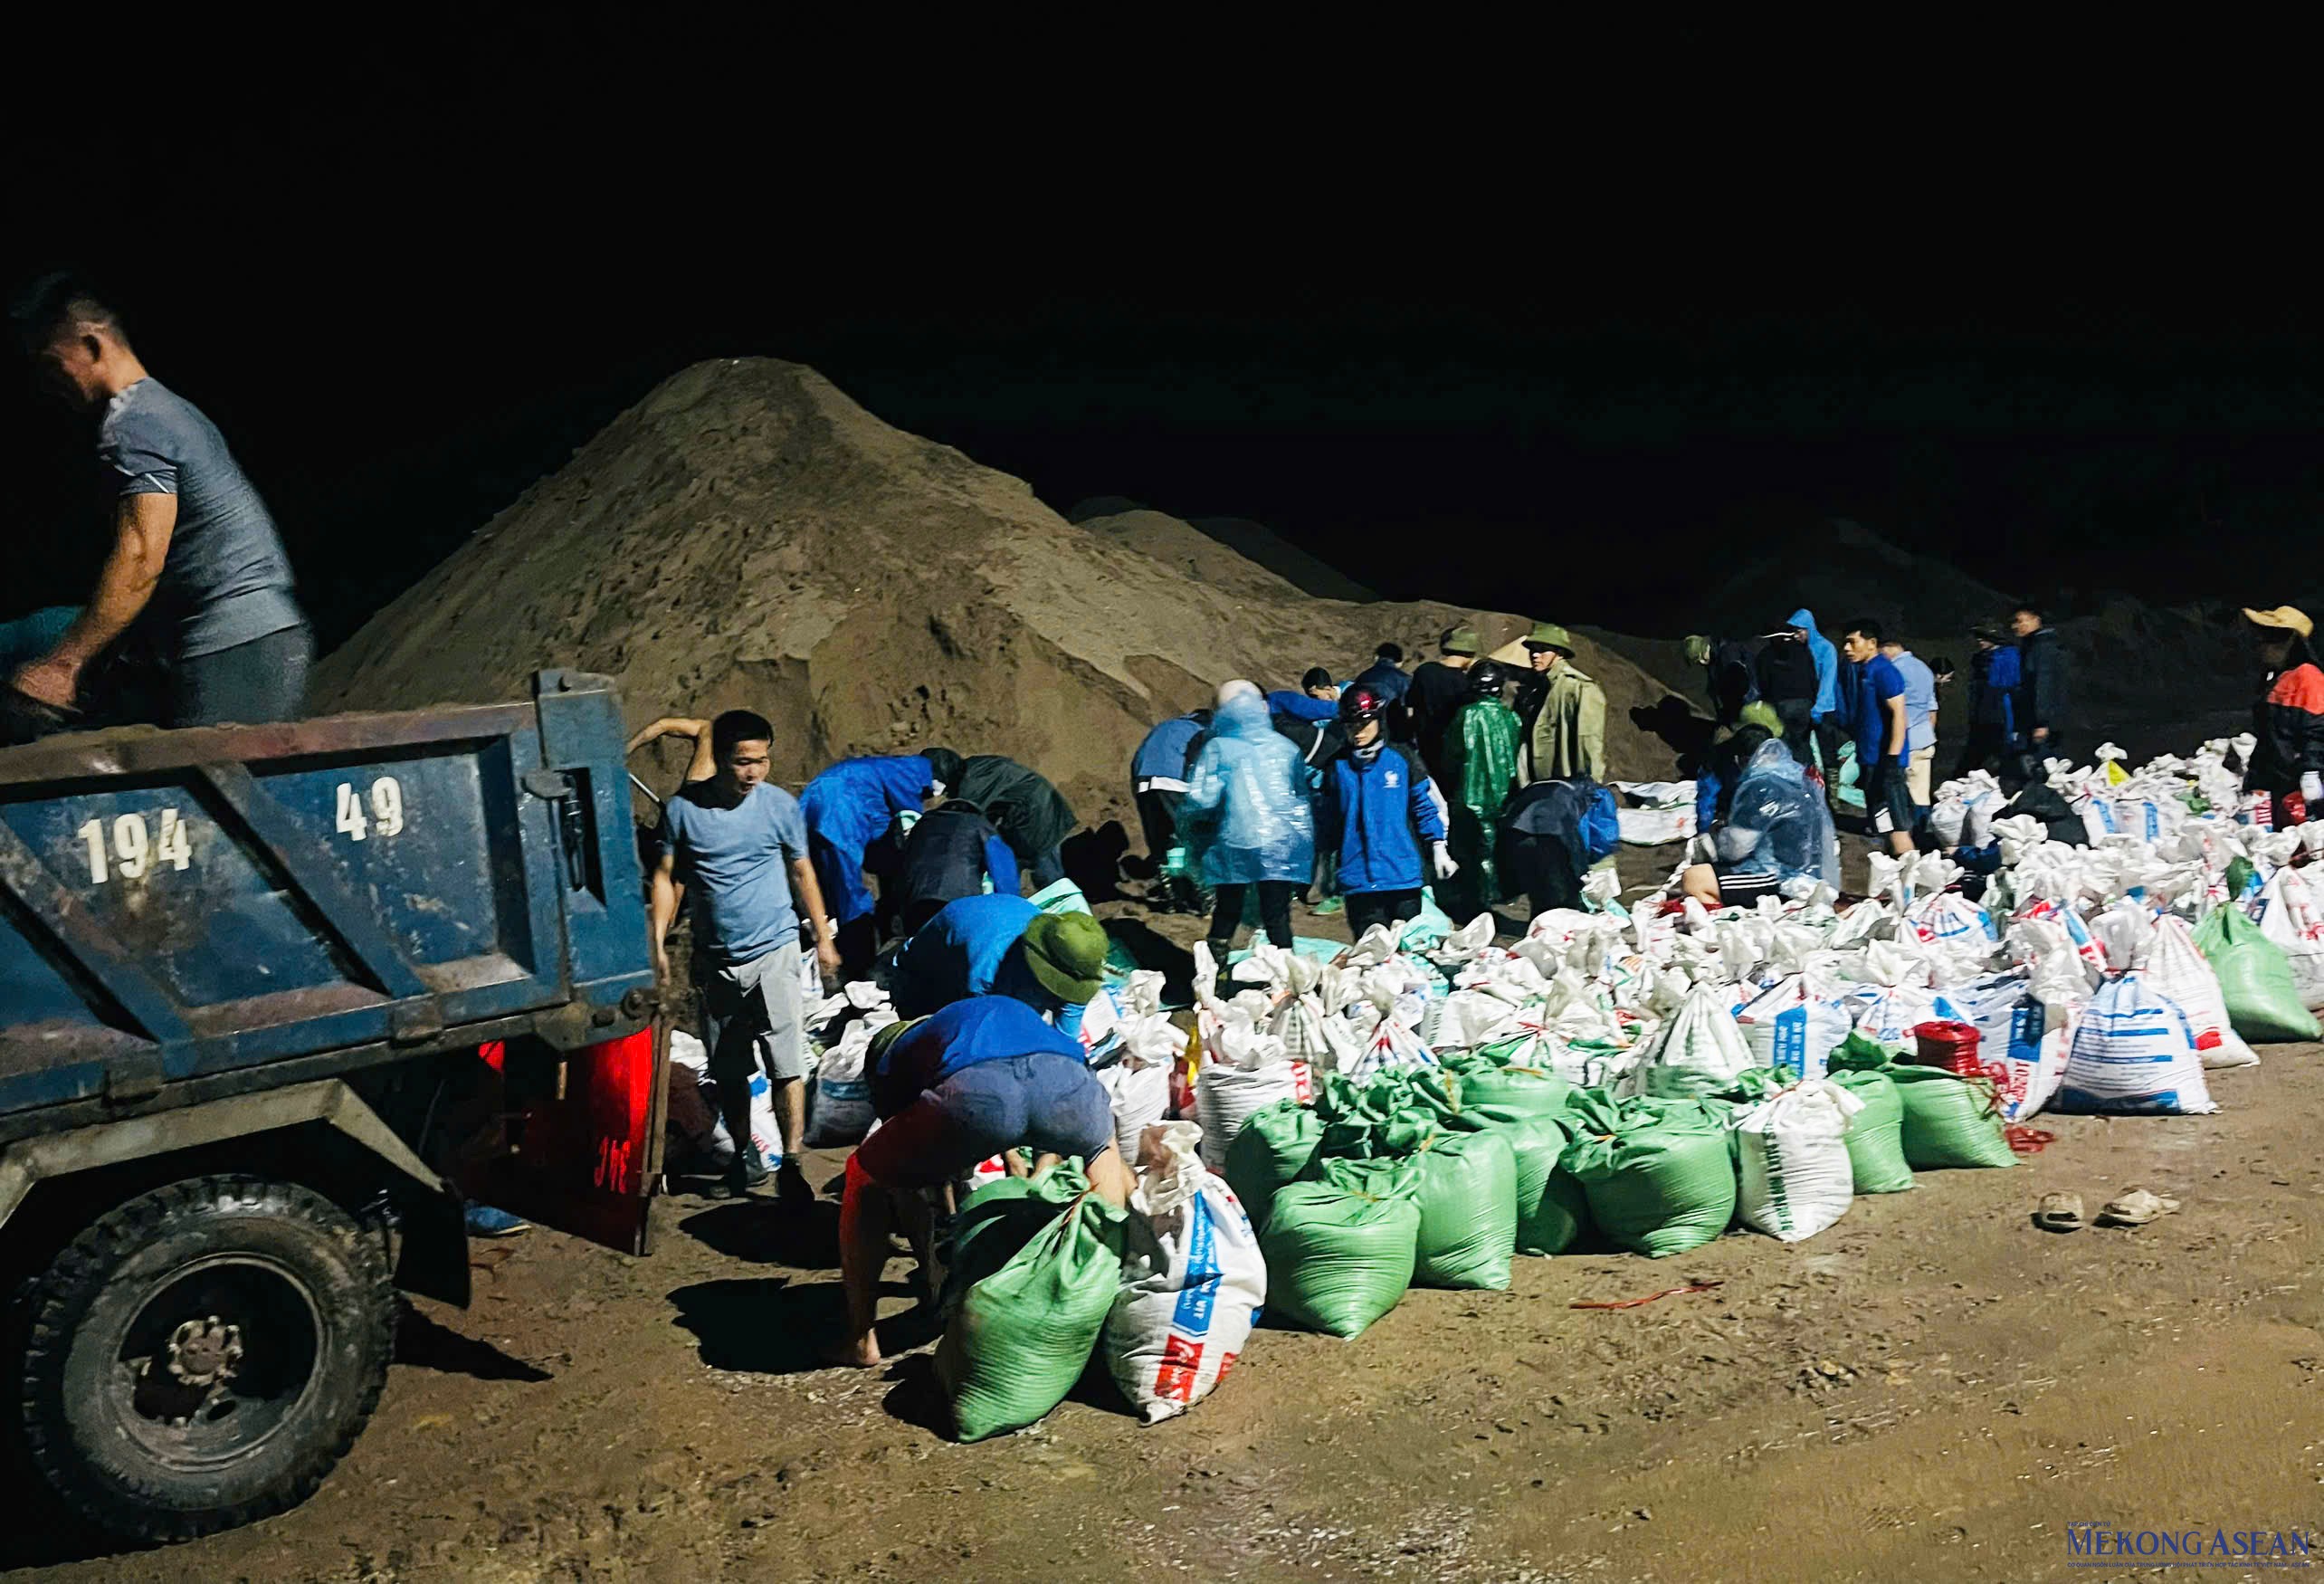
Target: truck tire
point(203, 1355)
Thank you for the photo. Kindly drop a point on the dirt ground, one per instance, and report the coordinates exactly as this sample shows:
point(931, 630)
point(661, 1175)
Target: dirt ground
point(1931, 1389)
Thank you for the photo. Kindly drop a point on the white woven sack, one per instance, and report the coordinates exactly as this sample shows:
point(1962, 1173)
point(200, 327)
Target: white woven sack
point(2177, 969)
point(1192, 1283)
point(1244, 1071)
point(2290, 913)
point(840, 1109)
point(1795, 1178)
point(1138, 1084)
point(1794, 1026)
point(2134, 1053)
point(1699, 1050)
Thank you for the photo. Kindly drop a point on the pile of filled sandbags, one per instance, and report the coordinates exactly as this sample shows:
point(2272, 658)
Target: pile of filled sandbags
point(1420, 1108)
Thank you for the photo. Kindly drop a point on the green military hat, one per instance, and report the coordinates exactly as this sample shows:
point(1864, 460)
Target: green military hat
point(1461, 641)
point(1067, 954)
point(1550, 635)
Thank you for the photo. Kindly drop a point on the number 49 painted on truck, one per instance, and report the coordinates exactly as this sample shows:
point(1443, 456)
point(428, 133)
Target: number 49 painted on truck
point(384, 817)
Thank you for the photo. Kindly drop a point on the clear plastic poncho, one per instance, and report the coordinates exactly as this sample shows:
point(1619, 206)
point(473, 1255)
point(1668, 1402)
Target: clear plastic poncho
point(1777, 824)
point(1246, 816)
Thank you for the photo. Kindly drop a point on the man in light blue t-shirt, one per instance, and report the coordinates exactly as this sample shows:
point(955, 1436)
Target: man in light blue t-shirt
point(738, 846)
point(1919, 722)
point(196, 566)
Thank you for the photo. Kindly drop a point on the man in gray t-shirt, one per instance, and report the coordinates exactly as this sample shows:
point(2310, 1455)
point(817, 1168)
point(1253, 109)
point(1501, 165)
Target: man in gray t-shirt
point(736, 846)
point(195, 567)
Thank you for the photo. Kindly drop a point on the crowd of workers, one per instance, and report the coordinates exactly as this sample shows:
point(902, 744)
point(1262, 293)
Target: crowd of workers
point(1482, 775)
point(1477, 776)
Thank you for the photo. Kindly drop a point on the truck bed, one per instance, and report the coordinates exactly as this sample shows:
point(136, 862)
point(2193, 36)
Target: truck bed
point(208, 911)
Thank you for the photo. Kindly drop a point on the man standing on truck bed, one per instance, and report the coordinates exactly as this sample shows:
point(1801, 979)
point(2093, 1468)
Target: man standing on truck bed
point(195, 564)
point(734, 839)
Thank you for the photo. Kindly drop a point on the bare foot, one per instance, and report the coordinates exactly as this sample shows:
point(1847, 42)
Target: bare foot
point(861, 1354)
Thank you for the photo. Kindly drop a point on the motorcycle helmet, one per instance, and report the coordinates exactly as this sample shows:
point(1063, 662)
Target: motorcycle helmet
point(1358, 705)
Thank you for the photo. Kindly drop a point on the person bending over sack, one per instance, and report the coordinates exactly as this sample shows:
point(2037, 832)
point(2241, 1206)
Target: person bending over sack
point(951, 851)
point(1055, 963)
point(975, 1080)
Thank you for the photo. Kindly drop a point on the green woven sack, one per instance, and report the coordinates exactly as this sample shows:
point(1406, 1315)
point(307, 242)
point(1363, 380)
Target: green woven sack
point(1552, 1212)
point(1275, 1147)
point(1948, 1121)
point(1706, 1110)
point(1656, 1185)
point(1754, 1085)
point(1016, 1340)
point(1464, 1181)
point(1875, 1138)
point(997, 1220)
point(1530, 1091)
point(1358, 1117)
point(2254, 978)
point(1550, 1209)
point(1337, 1259)
point(1468, 1210)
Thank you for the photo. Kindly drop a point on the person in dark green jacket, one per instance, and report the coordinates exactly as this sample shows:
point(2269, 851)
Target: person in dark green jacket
point(1479, 754)
point(1031, 816)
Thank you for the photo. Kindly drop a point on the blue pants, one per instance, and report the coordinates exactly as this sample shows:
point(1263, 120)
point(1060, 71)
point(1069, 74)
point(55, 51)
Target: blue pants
point(1044, 1101)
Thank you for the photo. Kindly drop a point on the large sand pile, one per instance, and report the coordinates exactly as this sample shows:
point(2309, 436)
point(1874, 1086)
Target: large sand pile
point(747, 535)
point(1207, 543)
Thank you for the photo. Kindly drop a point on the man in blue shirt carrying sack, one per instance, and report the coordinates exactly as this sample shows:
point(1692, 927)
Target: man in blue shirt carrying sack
point(195, 567)
point(1875, 699)
point(738, 845)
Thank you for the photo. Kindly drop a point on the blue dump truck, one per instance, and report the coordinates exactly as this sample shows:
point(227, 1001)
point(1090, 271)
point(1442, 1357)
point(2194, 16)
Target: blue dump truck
point(274, 1001)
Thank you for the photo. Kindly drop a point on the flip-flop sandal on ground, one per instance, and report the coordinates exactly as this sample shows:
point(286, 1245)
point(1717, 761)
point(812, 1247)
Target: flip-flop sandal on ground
point(2136, 1209)
point(2060, 1212)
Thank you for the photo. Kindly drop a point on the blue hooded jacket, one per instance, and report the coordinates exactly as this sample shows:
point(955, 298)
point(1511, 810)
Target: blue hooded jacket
point(1246, 814)
point(848, 807)
point(983, 1028)
point(1163, 755)
point(1827, 663)
point(1370, 808)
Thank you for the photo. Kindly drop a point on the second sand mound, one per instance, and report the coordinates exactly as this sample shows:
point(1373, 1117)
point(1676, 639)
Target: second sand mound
point(747, 535)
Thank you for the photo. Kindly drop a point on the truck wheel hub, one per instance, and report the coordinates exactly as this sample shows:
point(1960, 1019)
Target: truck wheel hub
point(203, 1352)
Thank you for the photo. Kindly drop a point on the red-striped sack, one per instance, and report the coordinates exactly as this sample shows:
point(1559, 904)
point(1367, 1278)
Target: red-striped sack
point(1190, 1289)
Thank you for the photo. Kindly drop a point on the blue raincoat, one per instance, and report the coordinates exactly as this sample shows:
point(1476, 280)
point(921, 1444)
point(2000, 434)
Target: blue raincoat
point(1776, 824)
point(848, 807)
point(1246, 815)
point(1827, 663)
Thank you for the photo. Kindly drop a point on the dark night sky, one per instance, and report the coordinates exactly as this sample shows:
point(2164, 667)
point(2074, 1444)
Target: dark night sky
point(406, 295)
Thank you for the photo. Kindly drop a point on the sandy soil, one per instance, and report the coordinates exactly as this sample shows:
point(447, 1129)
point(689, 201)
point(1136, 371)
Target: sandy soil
point(1932, 1389)
point(747, 535)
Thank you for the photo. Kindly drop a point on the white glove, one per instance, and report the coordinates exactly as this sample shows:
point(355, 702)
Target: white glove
point(1442, 860)
point(2311, 786)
